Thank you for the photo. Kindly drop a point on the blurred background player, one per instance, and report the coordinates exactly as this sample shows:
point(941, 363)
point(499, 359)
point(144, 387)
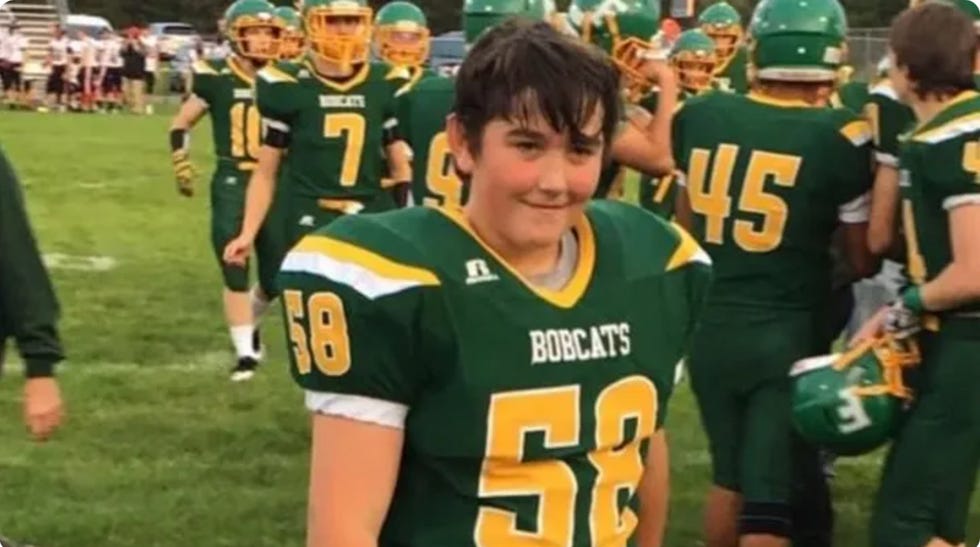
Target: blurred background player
point(14, 48)
point(693, 60)
point(292, 45)
point(401, 39)
point(723, 24)
point(224, 89)
point(57, 61)
point(622, 30)
point(764, 203)
point(331, 127)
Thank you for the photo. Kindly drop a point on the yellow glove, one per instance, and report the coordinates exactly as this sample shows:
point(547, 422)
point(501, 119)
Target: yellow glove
point(184, 172)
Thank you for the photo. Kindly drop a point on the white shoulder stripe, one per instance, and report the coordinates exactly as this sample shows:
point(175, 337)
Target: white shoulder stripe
point(370, 283)
point(951, 130)
point(357, 407)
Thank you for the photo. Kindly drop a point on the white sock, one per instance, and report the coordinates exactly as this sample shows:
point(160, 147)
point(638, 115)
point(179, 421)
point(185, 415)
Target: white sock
point(241, 338)
point(259, 304)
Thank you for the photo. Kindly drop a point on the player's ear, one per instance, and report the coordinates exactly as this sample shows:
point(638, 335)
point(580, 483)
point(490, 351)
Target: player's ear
point(458, 145)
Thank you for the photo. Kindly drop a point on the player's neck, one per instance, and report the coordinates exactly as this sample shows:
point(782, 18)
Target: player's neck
point(529, 261)
point(246, 65)
point(789, 93)
point(331, 69)
point(927, 108)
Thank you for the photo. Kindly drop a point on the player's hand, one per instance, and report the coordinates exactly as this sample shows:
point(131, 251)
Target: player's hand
point(43, 409)
point(184, 172)
point(238, 250)
point(659, 72)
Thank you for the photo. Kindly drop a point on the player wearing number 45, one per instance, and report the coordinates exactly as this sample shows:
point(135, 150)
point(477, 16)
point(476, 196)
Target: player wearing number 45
point(924, 496)
point(223, 89)
point(498, 374)
point(769, 177)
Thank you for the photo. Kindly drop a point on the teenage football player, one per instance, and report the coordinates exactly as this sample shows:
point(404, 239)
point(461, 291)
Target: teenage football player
point(432, 340)
point(694, 60)
point(622, 29)
point(223, 89)
point(293, 43)
point(924, 496)
point(401, 39)
point(764, 202)
point(328, 119)
point(723, 24)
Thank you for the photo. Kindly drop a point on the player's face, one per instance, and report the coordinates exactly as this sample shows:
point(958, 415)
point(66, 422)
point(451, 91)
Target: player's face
point(343, 25)
point(532, 180)
point(261, 40)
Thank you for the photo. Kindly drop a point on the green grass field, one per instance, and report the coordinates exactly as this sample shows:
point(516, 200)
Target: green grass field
point(159, 448)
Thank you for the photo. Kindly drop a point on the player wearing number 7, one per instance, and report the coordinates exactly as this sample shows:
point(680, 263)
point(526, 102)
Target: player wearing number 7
point(497, 375)
point(769, 176)
point(223, 89)
point(330, 124)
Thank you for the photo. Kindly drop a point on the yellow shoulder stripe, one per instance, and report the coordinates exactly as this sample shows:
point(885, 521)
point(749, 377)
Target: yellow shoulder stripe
point(202, 67)
point(858, 132)
point(687, 251)
point(369, 260)
point(273, 75)
point(949, 130)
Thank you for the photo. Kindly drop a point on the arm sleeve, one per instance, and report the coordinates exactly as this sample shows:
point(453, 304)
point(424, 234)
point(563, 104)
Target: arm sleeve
point(889, 119)
point(272, 98)
point(28, 306)
point(351, 315)
point(202, 82)
point(956, 171)
point(853, 166)
point(677, 142)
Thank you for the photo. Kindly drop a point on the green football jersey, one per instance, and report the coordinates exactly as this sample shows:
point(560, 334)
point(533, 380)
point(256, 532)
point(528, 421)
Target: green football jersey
point(422, 119)
point(939, 170)
point(766, 200)
point(336, 127)
point(733, 75)
point(889, 118)
point(236, 125)
point(852, 96)
point(525, 410)
point(658, 194)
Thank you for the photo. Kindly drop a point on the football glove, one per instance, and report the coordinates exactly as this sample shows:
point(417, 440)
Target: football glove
point(900, 321)
point(184, 172)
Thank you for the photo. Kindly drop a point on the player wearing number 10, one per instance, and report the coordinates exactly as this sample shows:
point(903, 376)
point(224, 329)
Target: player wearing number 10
point(223, 89)
point(498, 374)
point(769, 177)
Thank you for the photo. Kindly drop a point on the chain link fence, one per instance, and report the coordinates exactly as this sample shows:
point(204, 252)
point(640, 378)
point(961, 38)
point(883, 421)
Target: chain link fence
point(865, 48)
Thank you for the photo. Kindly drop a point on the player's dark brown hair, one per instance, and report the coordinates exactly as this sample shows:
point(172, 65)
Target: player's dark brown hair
point(523, 68)
point(937, 44)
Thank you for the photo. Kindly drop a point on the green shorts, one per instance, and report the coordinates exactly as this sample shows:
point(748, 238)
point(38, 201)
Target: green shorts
point(227, 213)
point(931, 469)
point(739, 367)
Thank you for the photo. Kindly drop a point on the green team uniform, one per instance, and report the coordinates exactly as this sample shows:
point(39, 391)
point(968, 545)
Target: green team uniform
point(889, 118)
point(337, 130)
point(236, 130)
point(932, 468)
point(765, 203)
point(525, 410)
point(852, 96)
point(733, 75)
point(422, 121)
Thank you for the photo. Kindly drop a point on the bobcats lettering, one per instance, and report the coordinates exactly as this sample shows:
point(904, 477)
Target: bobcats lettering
point(583, 344)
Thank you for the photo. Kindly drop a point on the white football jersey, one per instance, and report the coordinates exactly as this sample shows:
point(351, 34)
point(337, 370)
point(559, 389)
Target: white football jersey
point(59, 51)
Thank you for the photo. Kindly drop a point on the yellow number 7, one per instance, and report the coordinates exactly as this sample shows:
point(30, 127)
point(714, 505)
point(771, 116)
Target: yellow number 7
point(710, 196)
point(334, 126)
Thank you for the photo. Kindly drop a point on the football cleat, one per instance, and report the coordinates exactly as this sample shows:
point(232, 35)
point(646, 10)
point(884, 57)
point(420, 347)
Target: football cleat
point(244, 370)
point(850, 403)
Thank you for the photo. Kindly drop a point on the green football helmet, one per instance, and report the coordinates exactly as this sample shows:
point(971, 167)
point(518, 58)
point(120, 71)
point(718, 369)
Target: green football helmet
point(482, 15)
point(245, 15)
point(723, 24)
point(624, 30)
point(694, 60)
point(293, 41)
point(401, 34)
point(323, 18)
point(798, 41)
point(970, 7)
point(851, 403)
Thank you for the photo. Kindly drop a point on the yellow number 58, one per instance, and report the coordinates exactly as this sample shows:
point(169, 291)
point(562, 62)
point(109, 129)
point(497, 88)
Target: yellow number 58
point(326, 339)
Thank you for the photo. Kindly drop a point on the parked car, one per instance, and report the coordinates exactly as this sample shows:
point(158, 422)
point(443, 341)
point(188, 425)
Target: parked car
point(173, 36)
point(91, 25)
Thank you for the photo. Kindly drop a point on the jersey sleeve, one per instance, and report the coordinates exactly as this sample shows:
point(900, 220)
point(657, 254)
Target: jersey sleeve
point(275, 101)
point(954, 166)
point(202, 81)
point(853, 166)
point(352, 317)
point(889, 118)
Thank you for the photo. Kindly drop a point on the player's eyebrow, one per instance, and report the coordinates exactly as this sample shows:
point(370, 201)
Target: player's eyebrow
point(525, 133)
